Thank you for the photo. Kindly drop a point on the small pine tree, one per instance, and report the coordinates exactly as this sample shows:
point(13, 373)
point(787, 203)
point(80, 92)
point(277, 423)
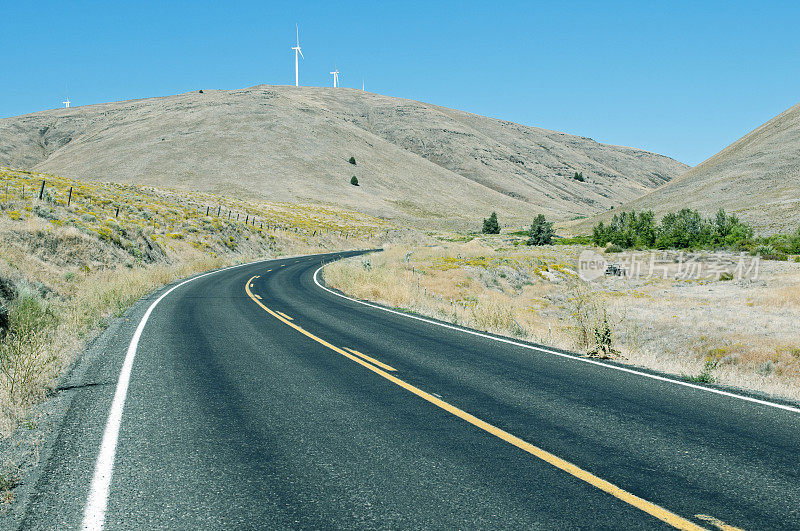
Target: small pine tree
point(354, 180)
point(578, 177)
point(490, 225)
point(541, 232)
point(352, 161)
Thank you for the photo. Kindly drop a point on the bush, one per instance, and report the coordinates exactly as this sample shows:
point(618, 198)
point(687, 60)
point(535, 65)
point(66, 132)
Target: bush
point(490, 225)
point(352, 161)
point(354, 180)
point(541, 232)
point(578, 176)
point(682, 230)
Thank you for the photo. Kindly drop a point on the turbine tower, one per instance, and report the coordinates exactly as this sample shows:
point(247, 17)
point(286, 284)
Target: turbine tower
point(66, 102)
point(297, 50)
point(335, 75)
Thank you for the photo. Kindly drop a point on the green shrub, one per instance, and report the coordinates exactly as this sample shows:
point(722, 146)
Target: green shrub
point(578, 176)
point(705, 376)
point(613, 248)
point(490, 225)
point(685, 229)
point(354, 180)
point(352, 161)
point(541, 232)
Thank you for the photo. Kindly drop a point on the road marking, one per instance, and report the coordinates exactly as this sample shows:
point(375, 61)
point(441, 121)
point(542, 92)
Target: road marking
point(372, 360)
point(257, 296)
point(94, 512)
point(621, 494)
point(281, 313)
point(268, 270)
point(716, 522)
point(572, 357)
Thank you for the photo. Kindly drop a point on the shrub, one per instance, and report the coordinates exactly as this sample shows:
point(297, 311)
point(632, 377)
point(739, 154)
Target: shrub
point(490, 225)
point(541, 232)
point(23, 352)
point(678, 230)
point(578, 176)
point(354, 180)
point(352, 161)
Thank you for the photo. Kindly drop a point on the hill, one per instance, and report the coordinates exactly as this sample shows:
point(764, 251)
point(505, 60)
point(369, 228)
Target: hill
point(757, 177)
point(413, 160)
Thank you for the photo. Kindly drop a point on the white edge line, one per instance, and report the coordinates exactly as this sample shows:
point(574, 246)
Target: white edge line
point(561, 354)
point(94, 512)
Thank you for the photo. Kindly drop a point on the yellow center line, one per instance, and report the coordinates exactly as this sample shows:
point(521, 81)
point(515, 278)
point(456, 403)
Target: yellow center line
point(650, 508)
point(716, 522)
point(257, 296)
point(284, 315)
point(372, 360)
point(268, 270)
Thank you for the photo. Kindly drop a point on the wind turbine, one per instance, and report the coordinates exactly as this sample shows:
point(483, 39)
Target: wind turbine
point(297, 50)
point(335, 74)
point(67, 102)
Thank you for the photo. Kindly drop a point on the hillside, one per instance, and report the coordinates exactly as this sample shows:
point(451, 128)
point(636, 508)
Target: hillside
point(757, 177)
point(414, 160)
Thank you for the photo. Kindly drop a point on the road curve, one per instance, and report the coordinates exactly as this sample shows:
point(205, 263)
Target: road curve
point(256, 399)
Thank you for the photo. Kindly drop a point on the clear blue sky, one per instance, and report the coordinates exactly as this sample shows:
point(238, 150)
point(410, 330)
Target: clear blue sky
point(679, 78)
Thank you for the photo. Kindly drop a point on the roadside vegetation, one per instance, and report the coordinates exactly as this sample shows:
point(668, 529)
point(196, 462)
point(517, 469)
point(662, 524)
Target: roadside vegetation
point(75, 259)
point(711, 329)
point(687, 229)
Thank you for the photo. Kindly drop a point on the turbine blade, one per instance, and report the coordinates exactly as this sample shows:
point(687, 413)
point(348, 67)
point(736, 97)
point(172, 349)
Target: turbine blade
point(301, 52)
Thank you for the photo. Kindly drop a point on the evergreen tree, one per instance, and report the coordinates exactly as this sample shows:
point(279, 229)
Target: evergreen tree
point(490, 225)
point(541, 232)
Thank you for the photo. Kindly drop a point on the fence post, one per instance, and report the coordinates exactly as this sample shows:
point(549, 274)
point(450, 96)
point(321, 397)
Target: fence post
point(219, 209)
point(69, 199)
point(41, 192)
point(116, 214)
point(237, 216)
point(246, 218)
point(207, 210)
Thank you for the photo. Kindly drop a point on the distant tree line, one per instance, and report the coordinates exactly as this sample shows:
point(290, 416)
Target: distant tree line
point(687, 229)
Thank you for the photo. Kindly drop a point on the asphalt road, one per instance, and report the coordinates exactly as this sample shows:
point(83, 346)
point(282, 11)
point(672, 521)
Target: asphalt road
point(245, 409)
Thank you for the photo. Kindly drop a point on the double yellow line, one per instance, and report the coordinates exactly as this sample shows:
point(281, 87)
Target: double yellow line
point(650, 508)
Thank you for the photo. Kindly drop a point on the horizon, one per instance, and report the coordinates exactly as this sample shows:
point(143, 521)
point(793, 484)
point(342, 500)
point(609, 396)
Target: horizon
point(677, 81)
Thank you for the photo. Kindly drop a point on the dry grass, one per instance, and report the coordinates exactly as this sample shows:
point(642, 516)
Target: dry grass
point(65, 270)
point(741, 333)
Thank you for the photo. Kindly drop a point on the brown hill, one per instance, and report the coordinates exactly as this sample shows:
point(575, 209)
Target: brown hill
point(757, 177)
point(414, 160)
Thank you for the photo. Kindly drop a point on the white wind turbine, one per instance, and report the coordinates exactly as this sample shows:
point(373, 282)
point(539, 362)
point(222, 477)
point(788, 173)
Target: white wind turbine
point(335, 74)
point(67, 102)
point(297, 51)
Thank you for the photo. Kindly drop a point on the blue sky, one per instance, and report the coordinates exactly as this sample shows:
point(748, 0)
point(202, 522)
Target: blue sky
point(679, 78)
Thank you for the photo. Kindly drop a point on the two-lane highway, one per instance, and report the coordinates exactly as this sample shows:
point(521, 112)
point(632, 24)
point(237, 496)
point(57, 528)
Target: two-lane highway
point(257, 399)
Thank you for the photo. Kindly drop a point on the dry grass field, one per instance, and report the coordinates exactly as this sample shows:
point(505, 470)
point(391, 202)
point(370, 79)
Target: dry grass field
point(740, 332)
point(66, 269)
